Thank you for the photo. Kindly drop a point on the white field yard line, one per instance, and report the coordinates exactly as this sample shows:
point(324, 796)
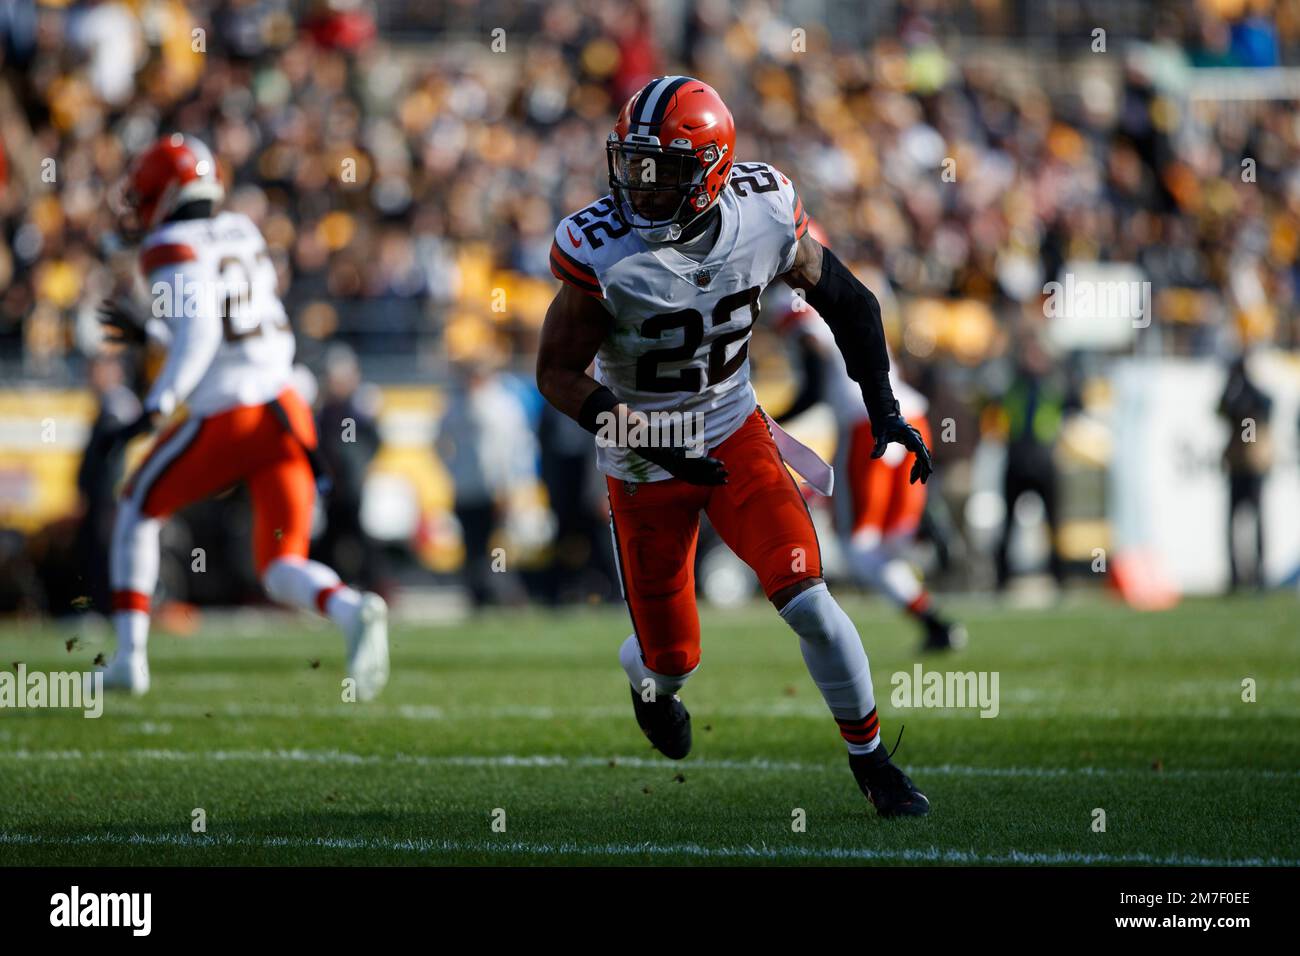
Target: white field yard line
point(931, 854)
point(1200, 689)
point(343, 758)
point(777, 709)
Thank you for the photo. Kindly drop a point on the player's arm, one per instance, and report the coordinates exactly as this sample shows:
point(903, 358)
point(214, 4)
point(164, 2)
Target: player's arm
point(196, 335)
point(853, 314)
point(576, 324)
point(124, 323)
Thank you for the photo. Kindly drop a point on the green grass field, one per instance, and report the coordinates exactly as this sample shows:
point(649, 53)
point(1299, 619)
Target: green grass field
point(1101, 707)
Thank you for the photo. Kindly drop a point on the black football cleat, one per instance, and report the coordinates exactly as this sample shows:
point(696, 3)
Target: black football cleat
point(666, 722)
point(941, 635)
point(890, 790)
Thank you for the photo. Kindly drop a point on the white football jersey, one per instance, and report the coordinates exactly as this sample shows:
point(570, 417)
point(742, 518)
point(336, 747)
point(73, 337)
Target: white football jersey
point(213, 283)
point(681, 327)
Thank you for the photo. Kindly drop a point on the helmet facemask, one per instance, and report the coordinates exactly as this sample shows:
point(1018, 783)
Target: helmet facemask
point(660, 190)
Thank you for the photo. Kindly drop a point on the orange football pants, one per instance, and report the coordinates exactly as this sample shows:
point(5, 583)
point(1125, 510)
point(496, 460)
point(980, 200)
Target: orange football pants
point(197, 458)
point(759, 513)
point(882, 497)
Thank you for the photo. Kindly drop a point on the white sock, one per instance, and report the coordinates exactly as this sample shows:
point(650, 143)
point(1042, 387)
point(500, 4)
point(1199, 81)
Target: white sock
point(629, 655)
point(303, 584)
point(133, 561)
point(838, 664)
point(134, 552)
point(343, 606)
point(132, 632)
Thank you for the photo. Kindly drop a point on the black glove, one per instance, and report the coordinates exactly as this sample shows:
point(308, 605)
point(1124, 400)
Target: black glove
point(694, 469)
point(894, 428)
point(145, 423)
point(122, 324)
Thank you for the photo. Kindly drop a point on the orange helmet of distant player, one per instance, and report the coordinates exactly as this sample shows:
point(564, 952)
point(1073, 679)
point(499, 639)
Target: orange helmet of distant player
point(670, 154)
point(175, 170)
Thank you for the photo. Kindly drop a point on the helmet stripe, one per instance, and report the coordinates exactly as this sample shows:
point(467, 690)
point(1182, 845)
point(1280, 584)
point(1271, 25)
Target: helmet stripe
point(666, 97)
point(639, 105)
point(645, 102)
point(649, 107)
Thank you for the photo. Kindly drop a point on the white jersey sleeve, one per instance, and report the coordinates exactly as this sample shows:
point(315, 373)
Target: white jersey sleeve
point(577, 249)
point(781, 205)
point(192, 323)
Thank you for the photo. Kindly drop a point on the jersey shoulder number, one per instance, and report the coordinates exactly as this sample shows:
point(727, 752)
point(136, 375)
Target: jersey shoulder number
point(587, 243)
point(766, 186)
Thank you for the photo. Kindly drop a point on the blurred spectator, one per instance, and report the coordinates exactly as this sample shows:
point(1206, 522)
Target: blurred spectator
point(392, 179)
point(1031, 412)
point(349, 440)
point(487, 447)
point(1247, 457)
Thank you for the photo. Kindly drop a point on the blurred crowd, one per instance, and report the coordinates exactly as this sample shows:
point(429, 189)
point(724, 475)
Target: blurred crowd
point(403, 181)
point(399, 183)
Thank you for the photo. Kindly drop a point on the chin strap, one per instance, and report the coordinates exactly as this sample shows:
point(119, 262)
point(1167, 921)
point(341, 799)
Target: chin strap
point(669, 233)
point(693, 229)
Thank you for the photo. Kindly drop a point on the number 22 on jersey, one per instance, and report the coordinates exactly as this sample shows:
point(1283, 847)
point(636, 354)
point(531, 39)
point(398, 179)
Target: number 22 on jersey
point(650, 374)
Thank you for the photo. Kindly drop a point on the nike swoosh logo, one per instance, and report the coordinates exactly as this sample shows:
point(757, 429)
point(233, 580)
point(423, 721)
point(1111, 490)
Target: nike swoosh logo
point(577, 243)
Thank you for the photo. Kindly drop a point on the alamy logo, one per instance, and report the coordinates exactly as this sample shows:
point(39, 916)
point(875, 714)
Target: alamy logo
point(75, 690)
point(189, 298)
point(635, 429)
point(134, 910)
point(943, 689)
point(1098, 299)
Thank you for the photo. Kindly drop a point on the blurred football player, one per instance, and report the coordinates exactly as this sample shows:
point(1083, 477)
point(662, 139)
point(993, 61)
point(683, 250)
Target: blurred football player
point(229, 367)
point(661, 283)
point(880, 510)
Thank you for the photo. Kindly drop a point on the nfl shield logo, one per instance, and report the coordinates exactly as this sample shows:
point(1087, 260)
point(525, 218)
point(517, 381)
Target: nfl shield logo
point(703, 277)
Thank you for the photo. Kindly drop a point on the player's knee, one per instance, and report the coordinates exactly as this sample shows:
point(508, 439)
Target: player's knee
point(867, 539)
point(128, 522)
point(672, 662)
point(869, 551)
point(125, 517)
point(785, 570)
point(278, 545)
point(784, 595)
point(278, 574)
point(817, 617)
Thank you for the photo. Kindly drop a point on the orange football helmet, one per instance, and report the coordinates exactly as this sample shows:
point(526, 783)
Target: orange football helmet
point(670, 154)
point(175, 170)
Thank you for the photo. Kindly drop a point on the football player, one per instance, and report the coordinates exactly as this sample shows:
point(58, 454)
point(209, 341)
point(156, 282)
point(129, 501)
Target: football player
point(882, 510)
point(661, 283)
point(229, 366)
